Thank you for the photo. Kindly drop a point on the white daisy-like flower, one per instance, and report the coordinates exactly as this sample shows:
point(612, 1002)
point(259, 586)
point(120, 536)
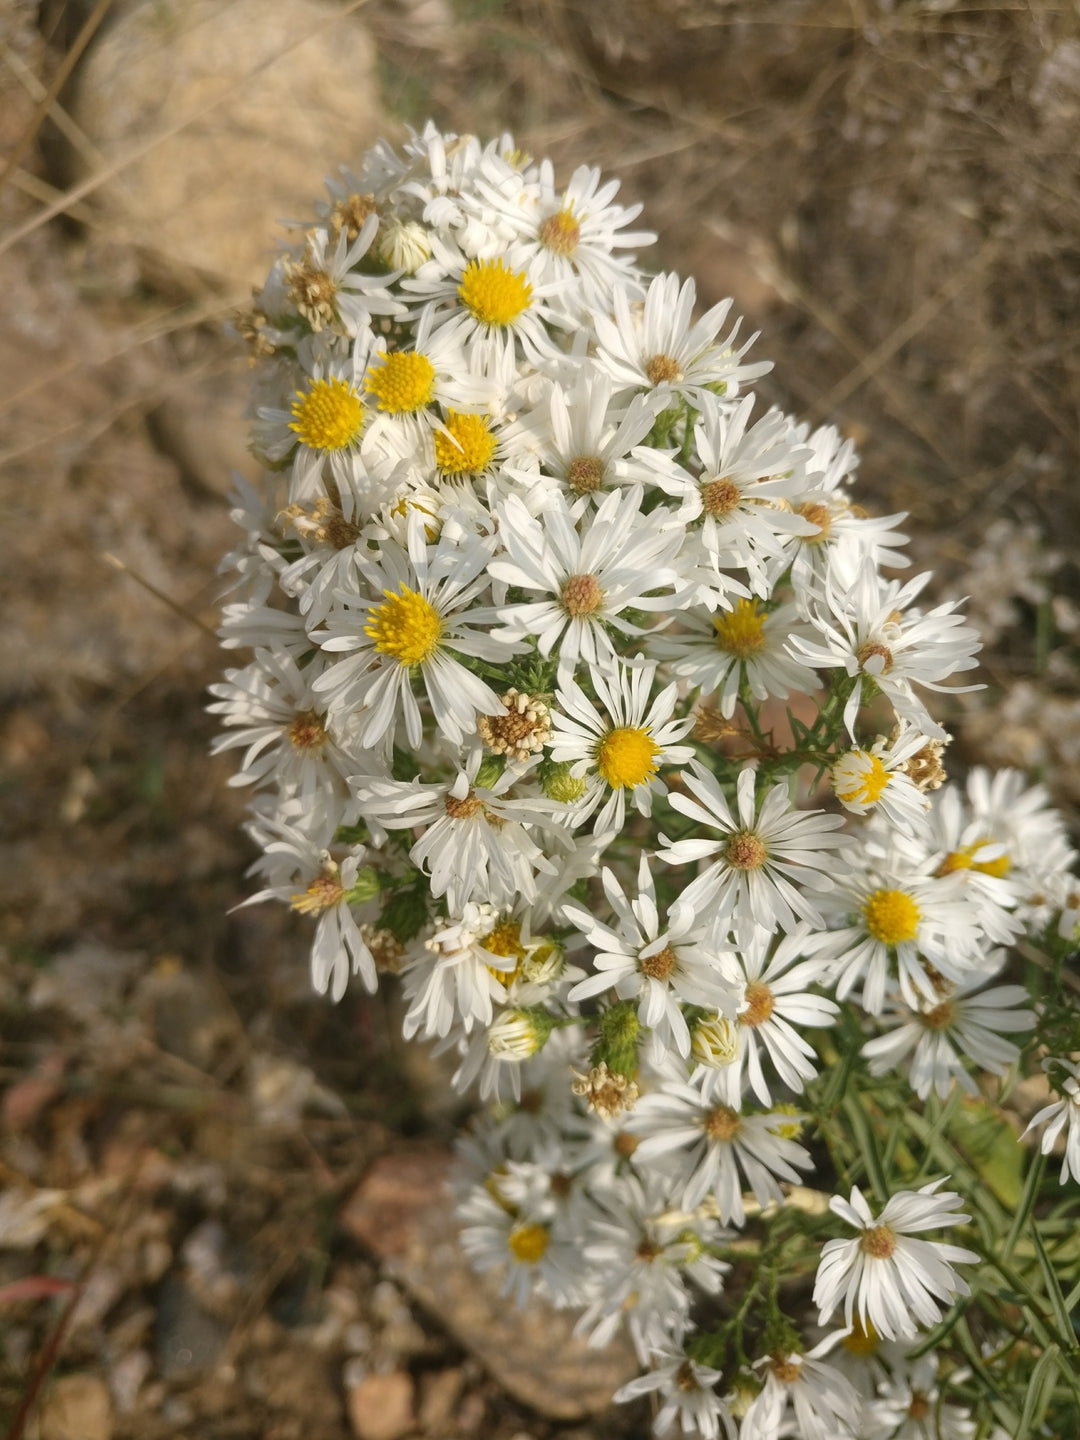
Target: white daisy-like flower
point(956, 1020)
point(826, 1405)
point(899, 913)
point(641, 1253)
point(748, 642)
point(618, 755)
point(586, 446)
point(868, 635)
point(708, 1148)
point(740, 503)
point(774, 1005)
point(564, 235)
point(874, 779)
point(590, 577)
point(663, 969)
point(1059, 1115)
point(910, 1406)
point(534, 1256)
point(273, 715)
point(418, 614)
point(687, 1392)
point(302, 873)
point(759, 858)
point(322, 282)
point(662, 348)
point(887, 1278)
point(477, 842)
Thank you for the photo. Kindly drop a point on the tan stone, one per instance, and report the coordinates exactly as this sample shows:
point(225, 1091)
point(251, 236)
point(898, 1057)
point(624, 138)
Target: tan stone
point(404, 1213)
point(77, 1407)
point(381, 1407)
point(257, 101)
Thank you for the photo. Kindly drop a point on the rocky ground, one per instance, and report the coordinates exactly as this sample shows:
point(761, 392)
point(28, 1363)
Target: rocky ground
point(221, 1209)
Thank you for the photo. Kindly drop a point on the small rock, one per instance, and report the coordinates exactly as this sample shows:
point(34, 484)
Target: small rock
point(403, 1212)
point(187, 1337)
point(263, 98)
point(381, 1407)
point(77, 1407)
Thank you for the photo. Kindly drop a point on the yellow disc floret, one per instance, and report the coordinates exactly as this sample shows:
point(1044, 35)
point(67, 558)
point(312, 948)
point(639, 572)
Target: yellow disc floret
point(495, 294)
point(465, 446)
point(964, 859)
point(560, 233)
point(328, 416)
point(402, 383)
point(528, 1243)
point(859, 778)
point(627, 757)
point(741, 632)
point(892, 916)
point(406, 626)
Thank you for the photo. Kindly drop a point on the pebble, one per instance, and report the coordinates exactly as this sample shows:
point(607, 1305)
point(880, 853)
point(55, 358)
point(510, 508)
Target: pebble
point(381, 1407)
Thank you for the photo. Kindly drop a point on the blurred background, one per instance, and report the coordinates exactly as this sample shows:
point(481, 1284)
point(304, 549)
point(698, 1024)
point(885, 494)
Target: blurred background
point(216, 1190)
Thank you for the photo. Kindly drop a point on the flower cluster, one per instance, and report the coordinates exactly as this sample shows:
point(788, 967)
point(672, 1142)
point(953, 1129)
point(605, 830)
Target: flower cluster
point(530, 581)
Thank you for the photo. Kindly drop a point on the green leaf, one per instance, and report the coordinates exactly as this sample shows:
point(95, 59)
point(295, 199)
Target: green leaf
point(1026, 1205)
point(1035, 1403)
point(1066, 1333)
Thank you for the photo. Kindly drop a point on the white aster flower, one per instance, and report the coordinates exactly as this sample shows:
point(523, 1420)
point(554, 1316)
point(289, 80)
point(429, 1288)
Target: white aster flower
point(887, 1278)
point(618, 754)
point(708, 1148)
point(874, 779)
point(955, 1020)
point(662, 969)
point(1059, 1115)
point(417, 615)
point(746, 643)
point(760, 855)
point(868, 635)
point(614, 562)
point(687, 1391)
point(661, 347)
point(909, 1406)
point(825, 1403)
point(527, 1246)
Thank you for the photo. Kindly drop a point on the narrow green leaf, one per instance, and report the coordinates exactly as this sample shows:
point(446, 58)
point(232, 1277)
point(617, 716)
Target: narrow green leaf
point(1027, 1204)
point(868, 1146)
point(1066, 1333)
point(1033, 1403)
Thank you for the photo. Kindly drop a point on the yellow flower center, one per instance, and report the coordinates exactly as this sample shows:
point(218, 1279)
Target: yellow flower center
point(863, 1340)
point(329, 417)
point(879, 1243)
point(406, 626)
point(495, 294)
point(859, 778)
point(627, 757)
point(323, 893)
point(403, 382)
point(787, 1129)
point(528, 1243)
point(741, 632)
point(720, 496)
point(560, 233)
point(465, 446)
point(892, 916)
point(963, 859)
point(505, 940)
point(872, 652)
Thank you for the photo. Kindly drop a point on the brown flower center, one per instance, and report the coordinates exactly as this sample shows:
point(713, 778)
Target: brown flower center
point(660, 965)
point(625, 1144)
point(745, 851)
point(581, 595)
point(662, 369)
point(760, 1004)
point(818, 515)
point(585, 473)
point(869, 650)
point(463, 809)
point(879, 1242)
point(307, 732)
point(720, 496)
point(722, 1123)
